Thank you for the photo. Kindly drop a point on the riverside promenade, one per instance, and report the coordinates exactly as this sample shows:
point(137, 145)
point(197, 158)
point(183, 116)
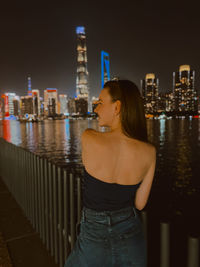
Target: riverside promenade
point(20, 245)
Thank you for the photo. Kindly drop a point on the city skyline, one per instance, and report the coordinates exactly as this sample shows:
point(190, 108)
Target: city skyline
point(149, 38)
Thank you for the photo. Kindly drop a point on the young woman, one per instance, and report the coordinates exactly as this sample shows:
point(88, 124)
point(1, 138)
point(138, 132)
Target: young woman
point(119, 169)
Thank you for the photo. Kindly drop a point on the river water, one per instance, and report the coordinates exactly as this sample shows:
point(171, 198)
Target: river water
point(175, 194)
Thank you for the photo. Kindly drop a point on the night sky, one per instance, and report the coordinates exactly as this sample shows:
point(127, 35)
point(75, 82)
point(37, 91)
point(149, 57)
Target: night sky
point(141, 37)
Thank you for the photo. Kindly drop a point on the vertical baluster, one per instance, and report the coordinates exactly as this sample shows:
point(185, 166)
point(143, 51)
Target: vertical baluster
point(60, 217)
point(51, 208)
point(193, 252)
point(30, 189)
point(79, 199)
point(55, 214)
point(72, 213)
point(28, 183)
point(39, 196)
point(46, 203)
point(24, 182)
point(37, 224)
point(66, 216)
point(144, 223)
point(165, 249)
point(42, 199)
point(34, 188)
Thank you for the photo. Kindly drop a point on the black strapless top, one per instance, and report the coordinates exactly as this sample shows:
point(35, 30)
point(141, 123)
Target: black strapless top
point(99, 195)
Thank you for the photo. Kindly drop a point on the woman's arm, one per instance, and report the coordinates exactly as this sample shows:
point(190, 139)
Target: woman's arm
point(142, 194)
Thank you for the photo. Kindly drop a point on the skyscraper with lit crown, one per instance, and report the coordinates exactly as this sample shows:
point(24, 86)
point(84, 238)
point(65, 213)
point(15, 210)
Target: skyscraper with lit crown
point(82, 90)
point(184, 93)
point(149, 88)
point(50, 101)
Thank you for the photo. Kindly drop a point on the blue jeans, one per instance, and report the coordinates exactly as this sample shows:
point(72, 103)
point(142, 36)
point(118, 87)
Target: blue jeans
point(109, 239)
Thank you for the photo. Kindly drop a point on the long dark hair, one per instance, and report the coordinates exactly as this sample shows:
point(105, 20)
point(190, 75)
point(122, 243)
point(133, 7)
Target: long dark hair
point(132, 113)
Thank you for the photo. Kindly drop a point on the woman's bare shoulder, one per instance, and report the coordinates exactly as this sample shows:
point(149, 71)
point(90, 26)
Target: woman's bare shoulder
point(142, 145)
point(149, 150)
point(90, 136)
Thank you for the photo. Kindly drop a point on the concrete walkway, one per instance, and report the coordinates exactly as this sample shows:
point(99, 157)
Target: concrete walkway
point(20, 245)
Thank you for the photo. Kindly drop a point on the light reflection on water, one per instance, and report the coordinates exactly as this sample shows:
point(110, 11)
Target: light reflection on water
point(177, 142)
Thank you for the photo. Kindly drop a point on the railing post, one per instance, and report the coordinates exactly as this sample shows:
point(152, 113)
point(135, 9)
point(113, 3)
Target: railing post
point(25, 184)
point(144, 222)
point(60, 217)
point(193, 252)
point(39, 196)
point(37, 223)
point(72, 219)
point(79, 199)
point(165, 248)
point(51, 207)
point(66, 216)
point(55, 214)
point(24, 181)
point(31, 188)
point(28, 185)
point(46, 191)
point(34, 190)
point(42, 199)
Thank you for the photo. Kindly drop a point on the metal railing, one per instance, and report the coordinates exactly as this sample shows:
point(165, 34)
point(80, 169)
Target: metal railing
point(51, 199)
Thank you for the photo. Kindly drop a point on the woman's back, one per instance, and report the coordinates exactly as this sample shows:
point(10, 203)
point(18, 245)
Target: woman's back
point(115, 159)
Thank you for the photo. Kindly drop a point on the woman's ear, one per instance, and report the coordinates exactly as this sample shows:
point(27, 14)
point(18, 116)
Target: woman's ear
point(118, 107)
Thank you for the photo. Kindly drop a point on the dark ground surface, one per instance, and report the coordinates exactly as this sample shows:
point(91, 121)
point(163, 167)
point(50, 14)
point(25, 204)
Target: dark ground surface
point(20, 245)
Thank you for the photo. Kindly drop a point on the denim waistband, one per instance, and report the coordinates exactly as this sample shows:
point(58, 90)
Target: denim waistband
point(108, 217)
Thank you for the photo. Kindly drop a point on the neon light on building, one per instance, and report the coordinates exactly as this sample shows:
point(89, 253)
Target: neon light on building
point(80, 30)
point(29, 86)
point(105, 68)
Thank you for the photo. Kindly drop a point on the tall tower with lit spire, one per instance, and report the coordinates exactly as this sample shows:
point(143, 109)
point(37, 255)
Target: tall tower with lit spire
point(29, 85)
point(82, 90)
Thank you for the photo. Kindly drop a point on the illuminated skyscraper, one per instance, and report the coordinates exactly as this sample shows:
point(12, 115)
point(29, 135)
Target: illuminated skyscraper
point(185, 95)
point(29, 85)
point(50, 101)
point(150, 92)
point(63, 104)
point(11, 97)
point(82, 90)
point(7, 104)
point(16, 105)
point(26, 105)
point(36, 102)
